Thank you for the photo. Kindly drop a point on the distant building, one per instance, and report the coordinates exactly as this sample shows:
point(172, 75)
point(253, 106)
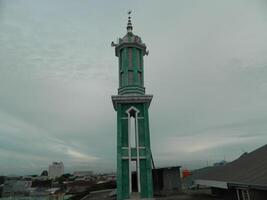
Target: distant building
point(56, 169)
point(15, 185)
point(221, 163)
point(83, 173)
point(245, 178)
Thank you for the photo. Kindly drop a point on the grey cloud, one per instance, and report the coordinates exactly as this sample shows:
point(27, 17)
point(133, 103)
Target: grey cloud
point(206, 70)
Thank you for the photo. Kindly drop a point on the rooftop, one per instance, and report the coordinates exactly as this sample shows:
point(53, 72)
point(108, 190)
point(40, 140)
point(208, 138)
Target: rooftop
point(249, 169)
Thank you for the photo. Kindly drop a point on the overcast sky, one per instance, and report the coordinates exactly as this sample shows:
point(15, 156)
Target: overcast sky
point(207, 70)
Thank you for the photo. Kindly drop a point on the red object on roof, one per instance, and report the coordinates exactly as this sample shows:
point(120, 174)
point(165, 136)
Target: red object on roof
point(186, 173)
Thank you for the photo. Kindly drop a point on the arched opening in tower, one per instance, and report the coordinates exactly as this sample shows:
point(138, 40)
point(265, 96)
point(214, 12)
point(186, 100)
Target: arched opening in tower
point(134, 162)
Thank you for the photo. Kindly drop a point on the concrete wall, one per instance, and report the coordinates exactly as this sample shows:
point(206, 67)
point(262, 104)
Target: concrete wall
point(167, 181)
point(171, 180)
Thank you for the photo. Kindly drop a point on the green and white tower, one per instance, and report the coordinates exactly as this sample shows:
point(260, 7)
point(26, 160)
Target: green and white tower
point(134, 158)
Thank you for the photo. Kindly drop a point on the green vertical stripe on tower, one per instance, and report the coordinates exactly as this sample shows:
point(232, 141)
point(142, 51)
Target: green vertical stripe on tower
point(125, 67)
point(134, 66)
point(120, 68)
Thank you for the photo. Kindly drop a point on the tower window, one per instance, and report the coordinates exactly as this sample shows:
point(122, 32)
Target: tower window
point(120, 60)
point(133, 144)
point(138, 58)
point(121, 76)
point(130, 77)
point(130, 58)
point(140, 78)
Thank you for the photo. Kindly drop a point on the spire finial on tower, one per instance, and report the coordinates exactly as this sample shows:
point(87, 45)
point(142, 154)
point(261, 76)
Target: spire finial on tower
point(129, 25)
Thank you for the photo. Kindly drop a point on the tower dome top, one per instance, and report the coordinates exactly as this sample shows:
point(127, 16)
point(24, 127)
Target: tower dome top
point(129, 40)
point(130, 37)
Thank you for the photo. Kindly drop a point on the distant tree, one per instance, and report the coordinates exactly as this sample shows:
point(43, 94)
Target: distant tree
point(44, 173)
point(66, 175)
point(61, 179)
point(2, 180)
point(42, 183)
